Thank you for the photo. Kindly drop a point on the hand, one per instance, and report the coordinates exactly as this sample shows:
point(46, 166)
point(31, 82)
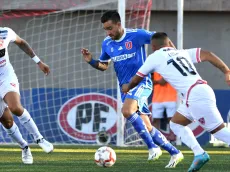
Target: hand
point(86, 54)
point(44, 68)
point(125, 88)
point(227, 77)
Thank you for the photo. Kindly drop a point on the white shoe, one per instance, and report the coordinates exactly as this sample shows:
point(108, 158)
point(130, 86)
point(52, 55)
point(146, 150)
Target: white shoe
point(45, 145)
point(154, 154)
point(175, 159)
point(27, 157)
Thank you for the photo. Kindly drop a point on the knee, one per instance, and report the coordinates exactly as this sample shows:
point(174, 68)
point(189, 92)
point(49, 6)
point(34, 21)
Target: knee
point(126, 111)
point(176, 128)
point(16, 109)
point(8, 123)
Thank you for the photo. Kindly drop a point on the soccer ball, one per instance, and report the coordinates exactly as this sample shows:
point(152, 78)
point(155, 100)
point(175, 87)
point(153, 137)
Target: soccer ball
point(105, 157)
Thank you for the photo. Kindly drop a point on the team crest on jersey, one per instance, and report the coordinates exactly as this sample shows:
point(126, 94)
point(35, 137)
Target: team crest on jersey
point(129, 45)
point(202, 121)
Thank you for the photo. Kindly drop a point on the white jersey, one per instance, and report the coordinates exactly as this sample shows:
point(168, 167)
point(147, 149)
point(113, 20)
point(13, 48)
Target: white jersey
point(175, 66)
point(7, 35)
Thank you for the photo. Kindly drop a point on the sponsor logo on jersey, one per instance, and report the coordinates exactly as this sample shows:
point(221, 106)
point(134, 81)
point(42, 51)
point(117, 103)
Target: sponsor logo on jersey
point(83, 116)
point(128, 45)
point(123, 57)
point(3, 34)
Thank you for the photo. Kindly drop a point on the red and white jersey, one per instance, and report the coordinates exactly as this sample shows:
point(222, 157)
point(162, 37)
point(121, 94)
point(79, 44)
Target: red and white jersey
point(175, 66)
point(7, 35)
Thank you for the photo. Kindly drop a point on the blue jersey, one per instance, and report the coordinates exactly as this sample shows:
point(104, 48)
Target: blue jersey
point(127, 53)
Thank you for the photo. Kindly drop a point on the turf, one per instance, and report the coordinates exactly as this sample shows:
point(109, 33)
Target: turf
point(81, 158)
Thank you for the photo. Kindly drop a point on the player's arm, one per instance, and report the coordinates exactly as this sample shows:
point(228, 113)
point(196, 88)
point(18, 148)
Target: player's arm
point(215, 61)
point(24, 46)
point(198, 55)
point(160, 81)
point(102, 66)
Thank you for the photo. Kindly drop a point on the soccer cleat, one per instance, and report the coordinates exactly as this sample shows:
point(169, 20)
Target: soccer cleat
point(198, 162)
point(45, 145)
point(175, 159)
point(27, 157)
point(155, 155)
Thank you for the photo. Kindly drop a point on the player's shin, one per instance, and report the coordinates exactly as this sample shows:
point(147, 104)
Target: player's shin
point(161, 141)
point(16, 136)
point(140, 127)
point(187, 137)
point(223, 135)
point(30, 125)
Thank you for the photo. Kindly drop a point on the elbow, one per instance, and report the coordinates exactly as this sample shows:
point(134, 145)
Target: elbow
point(206, 56)
point(102, 70)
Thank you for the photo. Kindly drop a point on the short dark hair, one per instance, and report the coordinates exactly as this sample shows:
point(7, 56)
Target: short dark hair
point(160, 38)
point(111, 15)
point(160, 35)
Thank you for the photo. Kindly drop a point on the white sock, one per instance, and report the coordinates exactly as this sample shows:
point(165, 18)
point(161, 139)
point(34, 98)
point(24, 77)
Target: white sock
point(15, 135)
point(223, 135)
point(187, 137)
point(30, 125)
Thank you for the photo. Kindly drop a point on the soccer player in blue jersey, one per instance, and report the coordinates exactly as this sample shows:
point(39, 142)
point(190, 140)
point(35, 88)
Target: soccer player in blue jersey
point(125, 47)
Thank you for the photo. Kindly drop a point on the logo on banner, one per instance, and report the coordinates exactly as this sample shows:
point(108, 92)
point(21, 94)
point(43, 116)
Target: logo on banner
point(83, 116)
point(129, 45)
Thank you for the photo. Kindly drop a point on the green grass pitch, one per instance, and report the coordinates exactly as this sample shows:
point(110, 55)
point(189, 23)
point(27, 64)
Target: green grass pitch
point(81, 158)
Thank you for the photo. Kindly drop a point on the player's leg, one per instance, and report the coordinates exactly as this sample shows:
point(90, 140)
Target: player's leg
point(129, 110)
point(12, 130)
point(170, 111)
point(157, 114)
point(156, 135)
point(12, 99)
point(160, 140)
point(209, 117)
point(179, 126)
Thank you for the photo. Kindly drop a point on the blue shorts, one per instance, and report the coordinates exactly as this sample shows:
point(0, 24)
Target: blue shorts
point(140, 93)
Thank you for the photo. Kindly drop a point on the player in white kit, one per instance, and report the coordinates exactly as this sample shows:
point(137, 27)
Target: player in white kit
point(10, 96)
point(199, 102)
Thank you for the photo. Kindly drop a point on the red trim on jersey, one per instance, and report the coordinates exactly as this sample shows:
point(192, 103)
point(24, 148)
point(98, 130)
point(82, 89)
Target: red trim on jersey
point(198, 55)
point(199, 81)
point(141, 74)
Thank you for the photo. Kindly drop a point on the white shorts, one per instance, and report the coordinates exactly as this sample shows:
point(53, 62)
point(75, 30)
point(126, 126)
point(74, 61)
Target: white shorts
point(6, 87)
point(202, 107)
point(159, 108)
